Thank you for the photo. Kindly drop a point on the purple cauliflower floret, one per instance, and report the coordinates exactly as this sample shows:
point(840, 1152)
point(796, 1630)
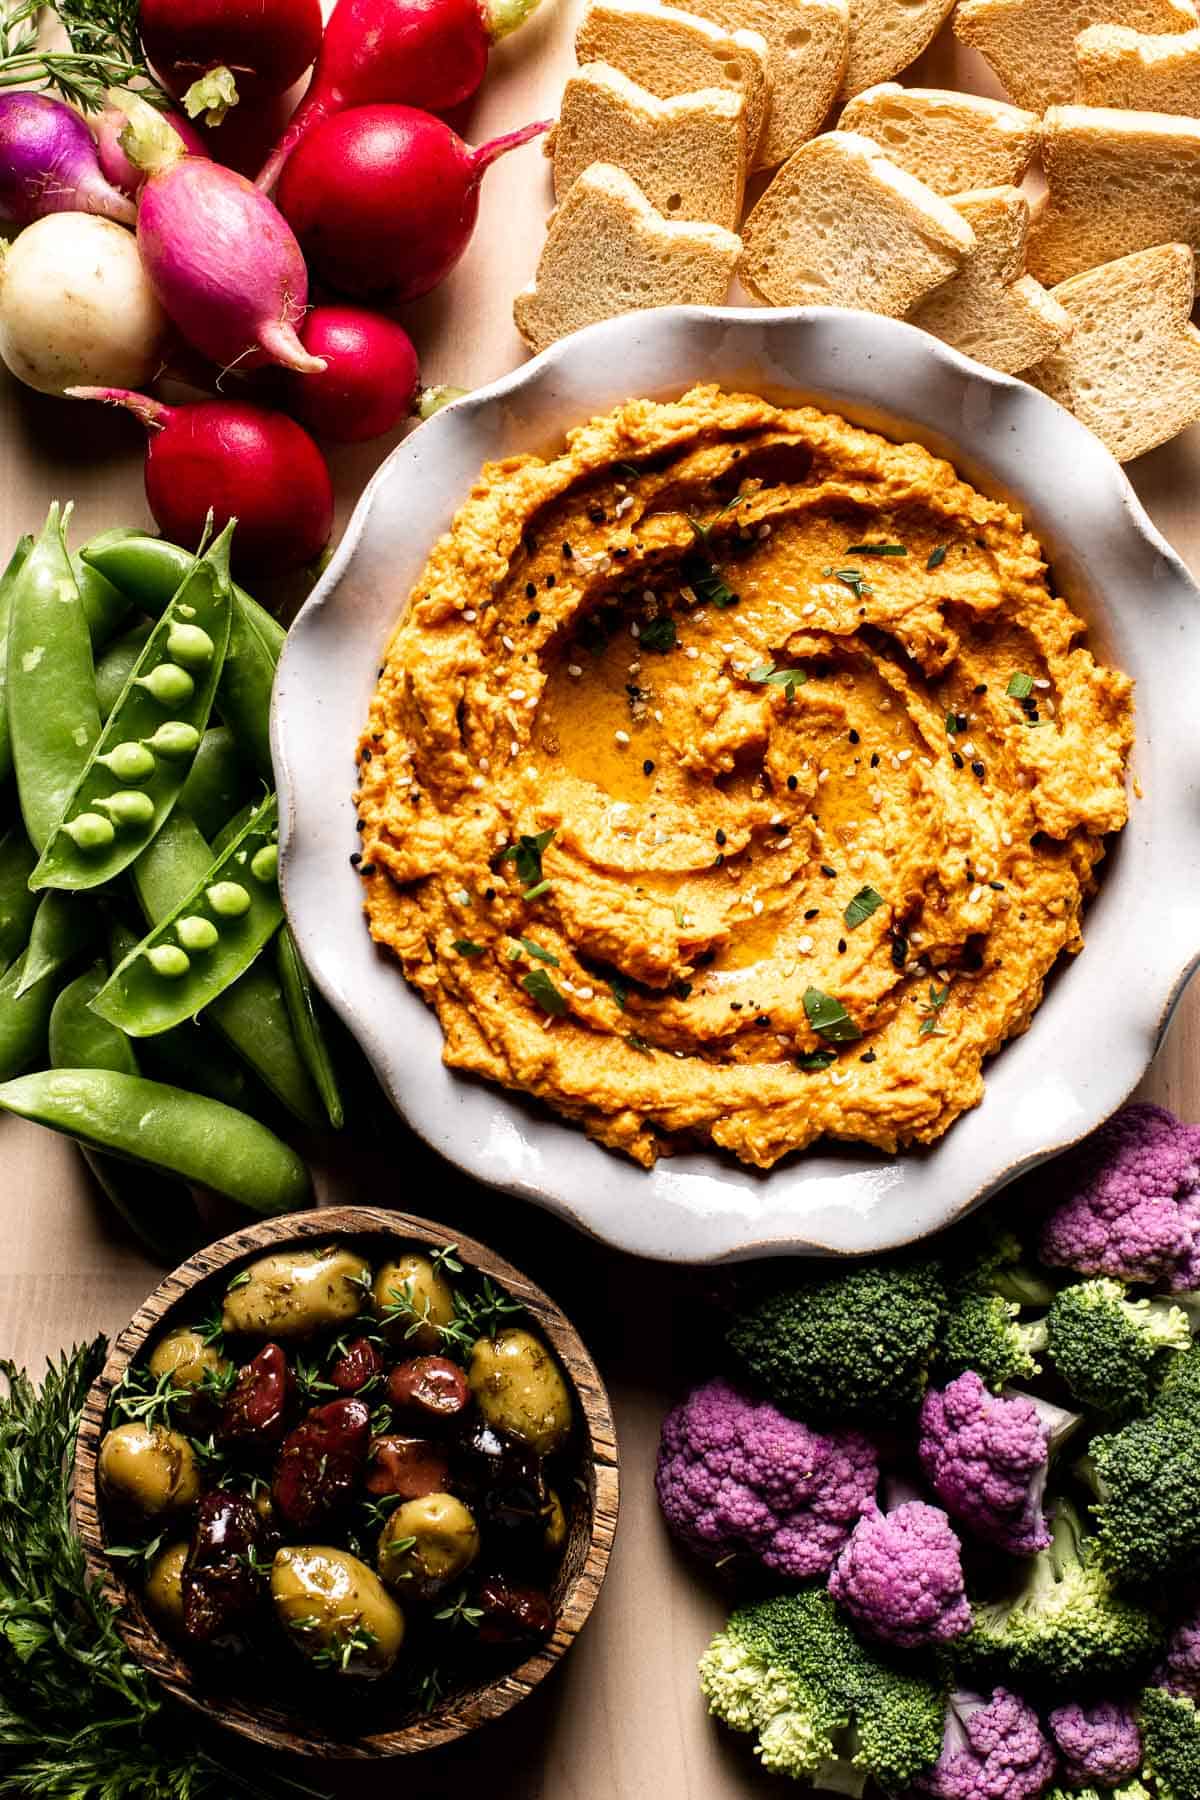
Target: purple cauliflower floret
point(735, 1474)
point(900, 1577)
point(986, 1457)
point(993, 1750)
point(1134, 1213)
point(1180, 1671)
point(1101, 1744)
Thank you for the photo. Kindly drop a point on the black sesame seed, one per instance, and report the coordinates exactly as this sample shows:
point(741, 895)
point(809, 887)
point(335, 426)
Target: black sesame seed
point(355, 859)
point(781, 830)
point(647, 767)
point(367, 869)
point(531, 618)
point(958, 761)
point(961, 721)
point(899, 952)
point(814, 912)
point(762, 1021)
point(998, 885)
point(360, 825)
point(366, 755)
point(981, 688)
point(868, 1057)
point(379, 673)
point(531, 590)
point(841, 946)
point(720, 835)
point(597, 515)
point(489, 893)
point(549, 581)
point(792, 783)
point(977, 770)
point(568, 552)
point(720, 858)
point(854, 737)
point(735, 1006)
point(875, 759)
point(826, 870)
point(622, 550)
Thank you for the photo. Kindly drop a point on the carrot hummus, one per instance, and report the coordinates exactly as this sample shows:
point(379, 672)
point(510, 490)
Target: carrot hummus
point(735, 777)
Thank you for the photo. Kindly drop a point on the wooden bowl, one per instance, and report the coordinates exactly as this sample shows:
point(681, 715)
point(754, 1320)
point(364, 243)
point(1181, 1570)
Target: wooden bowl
point(387, 1728)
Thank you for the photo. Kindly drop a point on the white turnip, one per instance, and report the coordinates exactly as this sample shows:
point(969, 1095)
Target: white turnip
point(427, 53)
point(383, 198)
point(230, 460)
point(220, 257)
point(49, 163)
point(370, 379)
point(76, 306)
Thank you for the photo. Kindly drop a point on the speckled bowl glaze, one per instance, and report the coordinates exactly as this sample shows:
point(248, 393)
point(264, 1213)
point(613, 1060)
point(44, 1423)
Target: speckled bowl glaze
point(1104, 1013)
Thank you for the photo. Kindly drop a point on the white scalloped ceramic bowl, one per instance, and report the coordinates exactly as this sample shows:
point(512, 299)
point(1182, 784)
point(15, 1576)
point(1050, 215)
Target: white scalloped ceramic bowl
point(1103, 1016)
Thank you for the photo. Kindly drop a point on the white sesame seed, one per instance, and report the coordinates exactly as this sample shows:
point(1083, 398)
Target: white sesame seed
point(805, 943)
point(622, 737)
point(968, 748)
point(807, 610)
point(823, 776)
point(691, 653)
point(658, 718)
point(513, 748)
point(477, 782)
point(775, 819)
point(1006, 838)
point(943, 974)
point(531, 702)
point(876, 796)
point(462, 898)
point(701, 615)
point(839, 1080)
point(485, 764)
point(858, 862)
point(905, 755)
point(894, 760)
point(635, 668)
point(585, 993)
point(915, 939)
point(508, 643)
point(883, 706)
point(623, 506)
point(403, 780)
point(764, 530)
point(470, 615)
point(574, 671)
point(975, 896)
point(757, 908)
point(517, 694)
point(1041, 682)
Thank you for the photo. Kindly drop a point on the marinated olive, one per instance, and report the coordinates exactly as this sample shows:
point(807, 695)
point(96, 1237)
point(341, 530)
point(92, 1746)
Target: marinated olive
point(426, 1544)
point(512, 1612)
point(554, 1534)
point(163, 1592)
point(293, 1293)
point(414, 1301)
point(186, 1357)
point(220, 1584)
point(508, 1485)
point(430, 1385)
point(256, 1411)
point(519, 1389)
point(359, 1363)
point(320, 1463)
point(147, 1471)
point(409, 1466)
point(336, 1610)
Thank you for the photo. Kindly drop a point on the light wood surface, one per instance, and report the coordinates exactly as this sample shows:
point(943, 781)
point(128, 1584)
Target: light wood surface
point(620, 1719)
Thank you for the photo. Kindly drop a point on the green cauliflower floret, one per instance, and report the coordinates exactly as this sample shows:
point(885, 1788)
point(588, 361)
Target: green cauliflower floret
point(1108, 1348)
point(1179, 1388)
point(846, 1345)
point(1146, 1478)
point(1066, 1625)
point(1171, 1744)
point(825, 1707)
point(988, 1288)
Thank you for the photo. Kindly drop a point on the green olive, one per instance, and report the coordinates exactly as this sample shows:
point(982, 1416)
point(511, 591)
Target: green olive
point(293, 1293)
point(426, 1544)
point(519, 1388)
point(169, 684)
point(175, 738)
point(195, 933)
point(90, 831)
point(554, 1531)
point(147, 1471)
point(336, 1610)
point(228, 899)
point(417, 1295)
point(163, 1592)
point(184, 1355)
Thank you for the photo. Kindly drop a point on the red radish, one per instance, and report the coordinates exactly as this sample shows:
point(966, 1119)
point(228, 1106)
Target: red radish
point(117, 167)
point(49, 163)
point(428, 53)
point(383, 198)
point(265, 45)
point(241, 462)
point(370, 379)
point(222, 260)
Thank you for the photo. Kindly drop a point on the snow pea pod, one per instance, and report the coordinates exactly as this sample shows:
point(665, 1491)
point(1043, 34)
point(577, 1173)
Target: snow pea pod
point(303, 1010)
point(24, 1020)
point(116, 665)
point(135, 773)
point(105, 607)
point(149, 570)
point(251, 1014)
point(217, 785)
point(17, 904)
point(63, 928)
point(7, 580)
point(158, 1210)
point(197, 1139)
point(209, 938)
point(52, 712)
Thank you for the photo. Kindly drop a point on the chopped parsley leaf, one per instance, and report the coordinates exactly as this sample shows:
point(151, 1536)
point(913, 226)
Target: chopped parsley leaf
point(929, 1013)
point(619, 990)
point(829, 1018)
point(535, 950)
point(788, 679)
point(854, 579)
point(816, 1059)
point(937, 557)
point(465, 947)
point(658, 634)
point(951, 724)
point(1019, 686)
point(876, 550)
point(864, 903)
point(527, 854)
point(539, 987)
point(639, 1044)
point(680, 916)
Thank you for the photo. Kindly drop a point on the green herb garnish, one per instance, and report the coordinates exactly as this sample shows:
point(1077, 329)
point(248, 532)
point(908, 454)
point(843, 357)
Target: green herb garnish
point(619, 990)
point(459, 1612)
point(812, 1060)
point(1019, 686)
point(526, 853)
point(876, 550)
point(465, 947)
point(535, 950)
point(864, 903)
point(658, 635)
point(929, 1013)
point(788, 679)
point(829, 1018)
point(937, 557)
point(639, 1044)
point(539, 987)
point(105, 52)
point(951, 724)
point(854, 579)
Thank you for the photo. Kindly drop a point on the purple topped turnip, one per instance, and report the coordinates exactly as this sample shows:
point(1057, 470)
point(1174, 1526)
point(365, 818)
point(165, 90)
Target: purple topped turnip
point(49, 164)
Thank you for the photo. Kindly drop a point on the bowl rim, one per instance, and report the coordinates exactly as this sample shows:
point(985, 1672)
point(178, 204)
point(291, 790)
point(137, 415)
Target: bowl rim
point(717, 1221)
point(275, 1728)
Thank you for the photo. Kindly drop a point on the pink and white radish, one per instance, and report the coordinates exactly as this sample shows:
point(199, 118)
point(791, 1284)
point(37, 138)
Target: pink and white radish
point(384, 198)
point(265, 45)
point(427, 53)
point(220, 257)
point(370, 379)
point(49, 163)
point(114, 163)
point(76, 306)
point(239, 462)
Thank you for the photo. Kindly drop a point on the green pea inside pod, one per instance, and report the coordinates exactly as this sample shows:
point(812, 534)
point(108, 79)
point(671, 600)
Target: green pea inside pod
point(219, 927)
point(90, 832)
point(175, 740)
point(190, 645)
point(131, 762)
point(148, 742)
point(169, 684)
point(264, 864)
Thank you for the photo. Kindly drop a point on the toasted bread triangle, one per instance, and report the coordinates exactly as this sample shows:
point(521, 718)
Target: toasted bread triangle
point(953, 142)
point(887, 36)
point(1031, 43)
point(1119, 67)
point(808, 43)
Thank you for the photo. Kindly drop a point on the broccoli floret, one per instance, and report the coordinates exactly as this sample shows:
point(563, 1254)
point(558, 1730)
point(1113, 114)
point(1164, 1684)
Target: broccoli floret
point(1128, 1790)
point(1146, 1477)
point(1171, 1742)
point(1066, 1626)
point(846, 1345)
point(1179, 1387)
point(1108, 1348)
point(825, 1707)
